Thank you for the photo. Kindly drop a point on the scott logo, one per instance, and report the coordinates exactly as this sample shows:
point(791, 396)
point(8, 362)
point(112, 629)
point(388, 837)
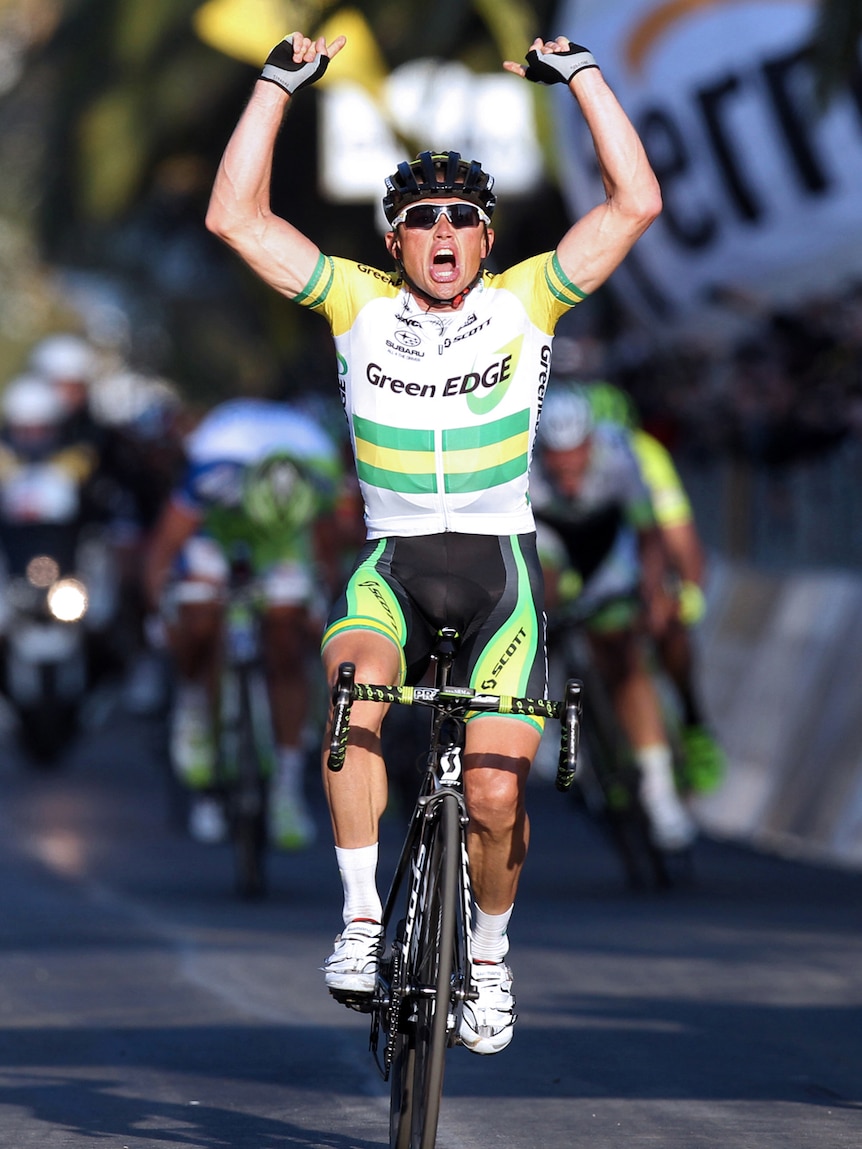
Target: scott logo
point(450, 766)
point(515, 645)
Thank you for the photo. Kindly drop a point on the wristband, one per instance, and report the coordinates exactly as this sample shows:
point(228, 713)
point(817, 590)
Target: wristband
point(569, 586)
point(281, 68)
point(692, 603)
point(558, 67)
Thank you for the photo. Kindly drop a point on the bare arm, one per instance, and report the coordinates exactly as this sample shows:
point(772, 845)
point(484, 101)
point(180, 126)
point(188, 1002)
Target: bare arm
point(660, 606)
point(174, 527)
point(239, 210)
point(685, 552)
point(598, 242)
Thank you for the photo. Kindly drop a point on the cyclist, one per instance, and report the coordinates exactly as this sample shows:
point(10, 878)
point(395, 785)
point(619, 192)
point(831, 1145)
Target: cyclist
point(259, 479)
point(589, 491)
point(443, 367)
point(704, 765)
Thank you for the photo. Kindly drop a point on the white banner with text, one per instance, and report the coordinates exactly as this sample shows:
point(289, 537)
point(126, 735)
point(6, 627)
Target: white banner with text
point(761, 190)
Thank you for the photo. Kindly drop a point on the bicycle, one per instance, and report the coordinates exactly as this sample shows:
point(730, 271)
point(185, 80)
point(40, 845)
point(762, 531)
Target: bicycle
point(245, 747)
point(608, 780)
point(424, 973)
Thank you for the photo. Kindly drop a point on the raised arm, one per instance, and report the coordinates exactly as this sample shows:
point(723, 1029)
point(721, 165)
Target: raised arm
point(239, 209)
point(599, 241)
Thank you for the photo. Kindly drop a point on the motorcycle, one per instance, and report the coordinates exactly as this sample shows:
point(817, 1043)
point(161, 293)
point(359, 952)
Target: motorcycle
point(53, 603)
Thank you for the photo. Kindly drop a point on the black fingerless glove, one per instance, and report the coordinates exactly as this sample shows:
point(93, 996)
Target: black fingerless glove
point(281, 68)
point(558, 67)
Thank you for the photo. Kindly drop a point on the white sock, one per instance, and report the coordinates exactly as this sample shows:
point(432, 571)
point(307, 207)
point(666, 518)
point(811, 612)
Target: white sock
point(290, 767)
point(358, 869)
point(490, 940)
point(656, 767)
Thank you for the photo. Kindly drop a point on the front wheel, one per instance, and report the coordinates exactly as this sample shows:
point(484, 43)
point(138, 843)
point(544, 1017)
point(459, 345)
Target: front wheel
point(608, 781)
point(422, 1027)
point(46, 731)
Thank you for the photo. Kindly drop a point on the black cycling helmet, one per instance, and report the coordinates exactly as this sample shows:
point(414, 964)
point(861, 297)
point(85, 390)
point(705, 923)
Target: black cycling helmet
point(438, 174)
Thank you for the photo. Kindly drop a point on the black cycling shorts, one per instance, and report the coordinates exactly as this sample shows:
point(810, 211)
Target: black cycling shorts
point(489, 587)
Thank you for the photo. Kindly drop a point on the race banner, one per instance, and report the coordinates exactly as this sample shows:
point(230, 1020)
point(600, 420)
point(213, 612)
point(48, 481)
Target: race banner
point(761, 186)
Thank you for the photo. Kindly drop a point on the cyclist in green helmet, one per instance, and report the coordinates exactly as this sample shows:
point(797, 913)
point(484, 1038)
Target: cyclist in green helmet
point(260, 482)
point(704, 760)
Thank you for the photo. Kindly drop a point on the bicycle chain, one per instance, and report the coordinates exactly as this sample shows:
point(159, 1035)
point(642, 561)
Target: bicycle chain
point(393, 1014)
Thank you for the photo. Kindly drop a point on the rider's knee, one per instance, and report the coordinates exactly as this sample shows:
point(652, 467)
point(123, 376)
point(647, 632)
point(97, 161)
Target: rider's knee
point(376, 658)
point(494, 795)
point(198, 620)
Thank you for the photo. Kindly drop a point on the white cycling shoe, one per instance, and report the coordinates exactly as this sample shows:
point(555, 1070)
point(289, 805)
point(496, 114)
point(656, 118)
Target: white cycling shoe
point(207, 821)
point(291, 826)
point(352, 966)
point(672, 828)
point(487, 1023)
point(192, 746)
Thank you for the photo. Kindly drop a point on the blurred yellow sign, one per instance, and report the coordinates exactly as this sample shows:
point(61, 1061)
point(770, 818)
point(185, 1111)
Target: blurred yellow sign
point(244, 29)
point(248, 29)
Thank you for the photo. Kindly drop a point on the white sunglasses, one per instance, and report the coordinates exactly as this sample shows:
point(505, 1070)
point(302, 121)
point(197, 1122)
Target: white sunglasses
point(423, 216)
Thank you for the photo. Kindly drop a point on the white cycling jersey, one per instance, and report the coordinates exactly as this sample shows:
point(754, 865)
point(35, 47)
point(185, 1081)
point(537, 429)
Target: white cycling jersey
point(596, 531)
point(443, 406)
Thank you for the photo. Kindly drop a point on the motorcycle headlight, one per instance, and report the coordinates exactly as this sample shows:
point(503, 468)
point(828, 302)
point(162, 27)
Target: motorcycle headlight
point(42, 571)
point(67, 600)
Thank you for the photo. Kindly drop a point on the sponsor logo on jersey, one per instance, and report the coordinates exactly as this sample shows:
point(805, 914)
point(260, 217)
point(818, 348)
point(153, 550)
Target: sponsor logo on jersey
point(493, 378)
point(375, 273)
point(219, 483)
point(406, 343)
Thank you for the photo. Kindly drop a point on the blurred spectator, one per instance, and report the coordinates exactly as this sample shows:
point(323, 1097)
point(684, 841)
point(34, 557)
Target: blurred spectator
point(785, 391)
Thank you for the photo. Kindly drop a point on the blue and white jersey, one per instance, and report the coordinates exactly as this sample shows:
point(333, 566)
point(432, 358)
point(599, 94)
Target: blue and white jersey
point(237, 435)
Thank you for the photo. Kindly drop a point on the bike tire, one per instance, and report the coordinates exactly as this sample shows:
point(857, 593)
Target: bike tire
point(248, 802)
point(46, 732)
point(418, 1065)
point(616, 777)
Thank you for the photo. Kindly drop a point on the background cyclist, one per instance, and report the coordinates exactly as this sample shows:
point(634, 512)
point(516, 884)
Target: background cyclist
point(260, 479)
point(443, 370)
point(704, 763)
point(597, 522)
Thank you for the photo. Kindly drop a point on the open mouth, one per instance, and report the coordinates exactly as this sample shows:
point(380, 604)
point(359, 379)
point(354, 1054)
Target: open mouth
point(444, 266)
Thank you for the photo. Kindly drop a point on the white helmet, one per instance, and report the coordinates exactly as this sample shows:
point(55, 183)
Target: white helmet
point(31, 401)
point(567, 420)
point(64, 356)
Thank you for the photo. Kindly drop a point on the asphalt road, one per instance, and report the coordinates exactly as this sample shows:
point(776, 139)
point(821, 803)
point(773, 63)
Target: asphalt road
point(142, 1004)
